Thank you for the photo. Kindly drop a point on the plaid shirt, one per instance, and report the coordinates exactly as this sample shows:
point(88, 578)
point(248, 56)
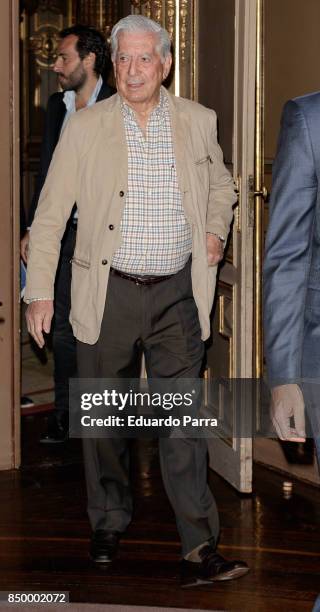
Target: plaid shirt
point(156, 236)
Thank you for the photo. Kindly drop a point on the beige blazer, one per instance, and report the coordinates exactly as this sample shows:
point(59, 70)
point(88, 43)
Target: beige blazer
point(89, 167)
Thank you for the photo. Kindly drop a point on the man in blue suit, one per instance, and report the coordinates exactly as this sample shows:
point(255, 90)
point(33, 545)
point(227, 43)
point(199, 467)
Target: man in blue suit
point(292, 273)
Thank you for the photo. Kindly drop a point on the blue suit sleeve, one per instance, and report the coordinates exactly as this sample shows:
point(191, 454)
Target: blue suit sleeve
point(288, 247)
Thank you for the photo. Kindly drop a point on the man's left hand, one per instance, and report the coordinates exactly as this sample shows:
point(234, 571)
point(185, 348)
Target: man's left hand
point(39, 316)
point(214, 249)
point(287, 402)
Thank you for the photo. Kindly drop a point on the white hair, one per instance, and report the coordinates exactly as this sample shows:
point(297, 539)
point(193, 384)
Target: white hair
point(139, 23)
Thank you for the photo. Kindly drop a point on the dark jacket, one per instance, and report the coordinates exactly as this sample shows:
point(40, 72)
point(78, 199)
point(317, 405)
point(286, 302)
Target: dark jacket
point(55, 114)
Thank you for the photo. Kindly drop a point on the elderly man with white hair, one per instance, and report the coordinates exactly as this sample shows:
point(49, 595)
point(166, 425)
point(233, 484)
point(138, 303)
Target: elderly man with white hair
point(154, 210)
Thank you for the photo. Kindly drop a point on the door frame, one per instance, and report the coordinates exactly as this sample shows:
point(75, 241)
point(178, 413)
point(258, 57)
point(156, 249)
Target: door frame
point(9, 238)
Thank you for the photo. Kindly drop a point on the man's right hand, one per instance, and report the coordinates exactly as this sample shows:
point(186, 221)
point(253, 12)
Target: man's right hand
point(24, 246)
point(287, 402)
point(39, 316)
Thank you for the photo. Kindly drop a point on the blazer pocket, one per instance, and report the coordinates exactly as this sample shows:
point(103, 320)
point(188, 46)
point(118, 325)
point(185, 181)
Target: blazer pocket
point(80, 262)
point(207, 158)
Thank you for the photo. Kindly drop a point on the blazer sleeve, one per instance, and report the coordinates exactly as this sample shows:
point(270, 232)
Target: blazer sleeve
point(55, 204)
point(222, 194)
point(47, 148)
point(288, 247)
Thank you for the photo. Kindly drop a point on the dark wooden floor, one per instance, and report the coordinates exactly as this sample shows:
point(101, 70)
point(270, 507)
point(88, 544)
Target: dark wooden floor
point(44, 536)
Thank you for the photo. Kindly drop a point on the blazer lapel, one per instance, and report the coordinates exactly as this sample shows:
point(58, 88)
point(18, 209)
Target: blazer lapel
point(183, 154)
point(179, 141)
point(115, 140)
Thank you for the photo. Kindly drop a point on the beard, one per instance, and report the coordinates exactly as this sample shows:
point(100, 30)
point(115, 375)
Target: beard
point(75, 80)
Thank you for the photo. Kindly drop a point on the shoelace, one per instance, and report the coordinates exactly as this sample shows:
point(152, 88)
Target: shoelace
point(210, 556)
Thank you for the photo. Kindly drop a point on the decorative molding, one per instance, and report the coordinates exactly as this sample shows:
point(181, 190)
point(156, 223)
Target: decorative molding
point(170, 13)
point(101, 14)
point(40, 23)
point(44, 45)
point(111, 16)
point(139, 3)
point(54, 6)
point(157, 10)
point(171, 18)
point(184, 6)
point(142, 6)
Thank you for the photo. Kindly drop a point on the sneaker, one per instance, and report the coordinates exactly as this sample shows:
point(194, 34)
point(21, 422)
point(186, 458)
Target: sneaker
point(26, 402)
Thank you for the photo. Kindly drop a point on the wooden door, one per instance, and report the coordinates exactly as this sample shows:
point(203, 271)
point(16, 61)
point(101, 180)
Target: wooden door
point(227, 40)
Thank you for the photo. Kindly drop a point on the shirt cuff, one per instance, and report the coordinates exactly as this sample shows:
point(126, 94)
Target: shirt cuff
point(221, 238)
point(39, 299)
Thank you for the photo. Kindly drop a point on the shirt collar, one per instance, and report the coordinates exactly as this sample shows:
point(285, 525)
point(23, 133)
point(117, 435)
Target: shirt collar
point(69, 97)
point(158, 111)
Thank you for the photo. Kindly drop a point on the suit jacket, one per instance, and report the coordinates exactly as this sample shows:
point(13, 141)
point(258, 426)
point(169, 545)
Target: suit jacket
point(89, 166)
point(292, 259)
point(56, 110)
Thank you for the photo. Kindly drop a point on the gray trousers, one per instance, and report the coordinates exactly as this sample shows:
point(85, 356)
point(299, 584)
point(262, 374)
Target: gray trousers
point(160, 320)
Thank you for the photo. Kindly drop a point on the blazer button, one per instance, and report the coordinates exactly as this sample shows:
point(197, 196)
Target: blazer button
point(111, 227)
point(104, 262)
point(121, 194)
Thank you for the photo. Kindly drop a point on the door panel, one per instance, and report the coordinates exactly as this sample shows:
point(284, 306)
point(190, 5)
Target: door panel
point(216, 60)
point(226, 82)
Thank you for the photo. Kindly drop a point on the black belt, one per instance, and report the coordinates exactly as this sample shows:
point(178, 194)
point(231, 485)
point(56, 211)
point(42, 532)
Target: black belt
point(140, 280)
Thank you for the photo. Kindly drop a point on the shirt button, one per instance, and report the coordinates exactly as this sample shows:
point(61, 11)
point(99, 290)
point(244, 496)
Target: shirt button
point(121, 194)
point(111, 227)
point(104, 262)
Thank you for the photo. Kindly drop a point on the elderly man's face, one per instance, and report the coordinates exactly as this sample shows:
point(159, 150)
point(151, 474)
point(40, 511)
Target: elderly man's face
point(138, 69)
